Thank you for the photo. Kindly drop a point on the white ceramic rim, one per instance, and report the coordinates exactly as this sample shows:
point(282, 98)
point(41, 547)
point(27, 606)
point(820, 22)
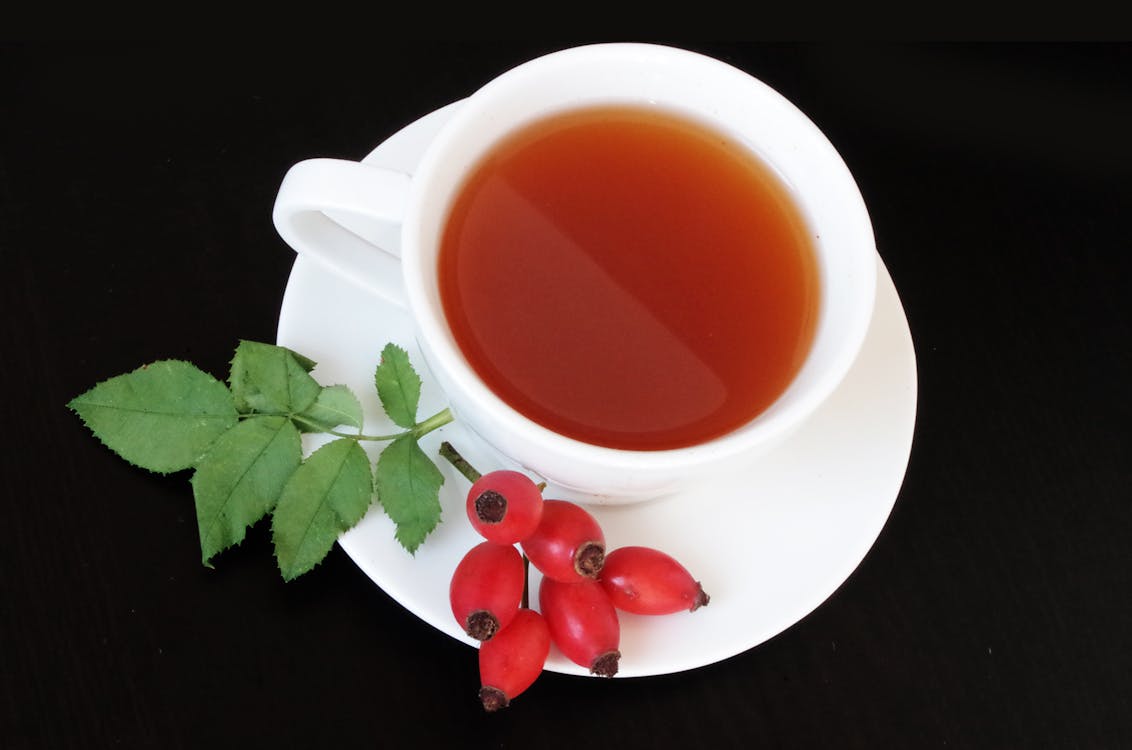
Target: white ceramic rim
point(805, 159)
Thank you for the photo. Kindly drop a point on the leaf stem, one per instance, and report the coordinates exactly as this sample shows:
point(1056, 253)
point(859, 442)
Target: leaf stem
point(359, 436)
point(459, 462)
point(441, 418)
point(320, 428)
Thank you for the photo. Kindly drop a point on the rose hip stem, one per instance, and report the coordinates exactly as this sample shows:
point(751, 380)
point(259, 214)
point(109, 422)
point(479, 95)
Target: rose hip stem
point(459, 462)
point(465, 468)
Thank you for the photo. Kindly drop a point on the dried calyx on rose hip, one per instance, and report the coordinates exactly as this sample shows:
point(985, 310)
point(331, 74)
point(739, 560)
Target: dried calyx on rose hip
point(504, 506)
point(568, 545)
point(512, 660)
point(487, 589)
point(646, 581)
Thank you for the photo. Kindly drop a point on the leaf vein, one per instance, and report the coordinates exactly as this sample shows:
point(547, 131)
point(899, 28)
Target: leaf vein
point(154, 412)
point(315, 511)
point(239, 482)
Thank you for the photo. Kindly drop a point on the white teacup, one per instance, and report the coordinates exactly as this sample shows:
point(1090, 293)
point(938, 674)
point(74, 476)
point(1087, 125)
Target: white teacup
point(708, 90)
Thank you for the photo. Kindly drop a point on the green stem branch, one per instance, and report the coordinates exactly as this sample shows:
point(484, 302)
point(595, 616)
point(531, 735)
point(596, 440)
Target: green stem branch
point(441, 418)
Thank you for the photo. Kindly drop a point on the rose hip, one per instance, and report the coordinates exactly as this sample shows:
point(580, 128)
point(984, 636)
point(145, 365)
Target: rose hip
point(486, 589)
point(568, 544)
point(646, 581)
point(583, 623)
point(512, 660)
point(504, 506)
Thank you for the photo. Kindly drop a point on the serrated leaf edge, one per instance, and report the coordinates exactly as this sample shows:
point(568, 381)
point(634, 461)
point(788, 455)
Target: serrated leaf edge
point(306, 364)
point(343, 526)
point(207, 561)
point(414, 402)
point(398, 533)
point(161, 472)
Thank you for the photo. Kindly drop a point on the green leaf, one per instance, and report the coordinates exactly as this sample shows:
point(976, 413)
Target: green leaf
point(398, 386)
point(408, 486)
point(306, 363)
point(327, 494)
point(271, 379)
point(240, 478)
point(336, 405)
point(161, 417)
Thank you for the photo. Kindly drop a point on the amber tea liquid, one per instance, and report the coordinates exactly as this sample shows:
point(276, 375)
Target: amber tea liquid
point(629, 279)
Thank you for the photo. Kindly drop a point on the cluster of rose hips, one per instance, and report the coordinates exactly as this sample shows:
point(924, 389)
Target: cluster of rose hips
point(582, 587)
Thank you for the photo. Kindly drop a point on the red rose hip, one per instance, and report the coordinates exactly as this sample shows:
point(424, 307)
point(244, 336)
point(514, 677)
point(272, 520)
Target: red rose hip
point(568, 544)
point(646, 581)
point(583, 624)
point(512, 660)
point(504, 506)
point(486, 589)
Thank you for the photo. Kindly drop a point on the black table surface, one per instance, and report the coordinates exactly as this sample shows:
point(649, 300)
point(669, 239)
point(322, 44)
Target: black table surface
point(136, 187)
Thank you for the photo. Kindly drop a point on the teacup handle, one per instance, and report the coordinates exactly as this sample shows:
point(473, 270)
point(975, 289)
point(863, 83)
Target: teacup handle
point(315, 190)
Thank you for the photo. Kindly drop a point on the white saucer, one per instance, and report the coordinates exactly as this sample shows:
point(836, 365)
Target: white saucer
point(768, 546)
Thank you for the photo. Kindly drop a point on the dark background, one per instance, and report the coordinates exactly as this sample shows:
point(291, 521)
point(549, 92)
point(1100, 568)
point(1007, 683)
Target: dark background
point(136, 187)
